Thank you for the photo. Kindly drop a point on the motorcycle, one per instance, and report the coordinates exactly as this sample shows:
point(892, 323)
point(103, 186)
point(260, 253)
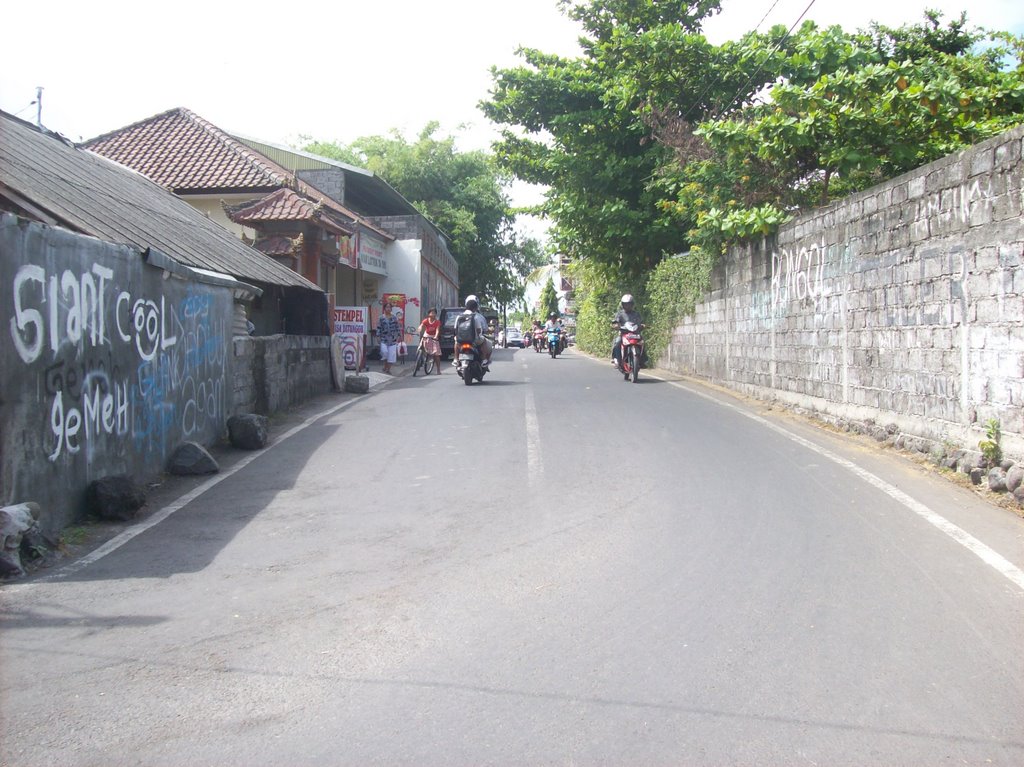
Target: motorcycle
point(554, 342)
point(538, 341)
point(471, 364)
point(631, 351)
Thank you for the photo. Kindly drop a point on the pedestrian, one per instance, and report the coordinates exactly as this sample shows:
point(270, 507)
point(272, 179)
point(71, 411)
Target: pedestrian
point(430, 329)
point(389, 333)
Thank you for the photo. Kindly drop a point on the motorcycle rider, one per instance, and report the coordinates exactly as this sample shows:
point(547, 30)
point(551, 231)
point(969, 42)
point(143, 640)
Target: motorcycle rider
point(537, 334)
point(553, 325)
point(626, 314)
point(480, 325)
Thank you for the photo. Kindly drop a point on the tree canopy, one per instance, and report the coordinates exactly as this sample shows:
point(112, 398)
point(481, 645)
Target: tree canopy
point(654, 136)
point(463, 193)
point(654, 141)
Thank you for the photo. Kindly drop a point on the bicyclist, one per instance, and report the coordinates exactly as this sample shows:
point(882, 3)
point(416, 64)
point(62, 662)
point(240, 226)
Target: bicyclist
point(430, 330)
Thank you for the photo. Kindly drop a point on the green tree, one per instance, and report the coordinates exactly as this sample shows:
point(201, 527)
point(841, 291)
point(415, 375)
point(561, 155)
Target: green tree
point(549, 298)
point(463, 193)
point(654, 141)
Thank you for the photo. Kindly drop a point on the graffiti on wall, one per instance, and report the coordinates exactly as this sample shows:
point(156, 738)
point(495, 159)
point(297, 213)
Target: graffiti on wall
point(82, 328)
point(800, 275)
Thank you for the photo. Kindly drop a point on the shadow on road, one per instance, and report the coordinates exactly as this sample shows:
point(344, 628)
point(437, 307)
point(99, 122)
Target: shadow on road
point(191, 538)
point(33, 619)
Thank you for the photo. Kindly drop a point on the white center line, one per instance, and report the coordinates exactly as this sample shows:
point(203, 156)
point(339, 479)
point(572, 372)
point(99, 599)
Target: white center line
point(534, 464)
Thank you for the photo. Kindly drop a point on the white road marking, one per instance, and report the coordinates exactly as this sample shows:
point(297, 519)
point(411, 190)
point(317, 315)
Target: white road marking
point(534, 464)
point(121, 539)
point(958, 534)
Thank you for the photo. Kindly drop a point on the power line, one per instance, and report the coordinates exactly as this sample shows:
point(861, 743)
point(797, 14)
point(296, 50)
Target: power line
point(708, 87)
point(757, 71)
point(27, 106)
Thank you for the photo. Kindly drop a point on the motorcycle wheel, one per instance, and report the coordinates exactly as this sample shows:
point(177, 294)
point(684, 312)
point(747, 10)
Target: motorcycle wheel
point(634, 363)
point(467, 376)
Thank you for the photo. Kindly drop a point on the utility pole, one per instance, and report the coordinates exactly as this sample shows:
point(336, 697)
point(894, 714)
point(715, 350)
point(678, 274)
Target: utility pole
point(39, 106)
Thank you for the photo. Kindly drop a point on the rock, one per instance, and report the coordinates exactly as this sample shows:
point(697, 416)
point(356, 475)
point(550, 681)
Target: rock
point(357, 384)
point(36, 546)
point(1018, 494)
point(970, 461)
point(879, 433)
point(116, 498)
point(192, 458)
point(1014, 478)
point(997, 480)
point(1006, 464)
point(15, 522)
point(249, 431)
point(976, 475)
point(917, 444)
point(937, 454)
point(950, 462)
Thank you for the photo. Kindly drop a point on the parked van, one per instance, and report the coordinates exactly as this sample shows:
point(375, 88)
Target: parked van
point(448, 316)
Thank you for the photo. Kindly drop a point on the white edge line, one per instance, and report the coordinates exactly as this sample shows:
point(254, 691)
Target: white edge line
point(958, 534)
point(122, 538)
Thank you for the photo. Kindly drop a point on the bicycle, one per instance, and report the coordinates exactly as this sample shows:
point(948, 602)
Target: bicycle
point(424, 361)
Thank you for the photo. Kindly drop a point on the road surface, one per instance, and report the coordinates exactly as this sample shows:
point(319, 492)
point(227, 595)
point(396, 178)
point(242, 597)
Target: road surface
point(554, 567)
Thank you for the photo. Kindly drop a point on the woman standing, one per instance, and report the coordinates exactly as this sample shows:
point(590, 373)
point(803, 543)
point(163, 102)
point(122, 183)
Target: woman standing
point(430, 329)
point(389, 333)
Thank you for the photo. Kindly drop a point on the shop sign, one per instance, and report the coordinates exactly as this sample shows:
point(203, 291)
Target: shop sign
point(371, 255)
point(350, 320)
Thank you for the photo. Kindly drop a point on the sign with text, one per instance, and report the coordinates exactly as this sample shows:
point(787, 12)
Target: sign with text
point(371, 255)
point(350, 320)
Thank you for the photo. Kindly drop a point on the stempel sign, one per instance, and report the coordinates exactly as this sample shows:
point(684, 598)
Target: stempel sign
point(350, 320)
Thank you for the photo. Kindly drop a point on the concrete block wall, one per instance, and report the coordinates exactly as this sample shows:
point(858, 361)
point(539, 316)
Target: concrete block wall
point(901, 305)
point(109, 364)
point(273, 373)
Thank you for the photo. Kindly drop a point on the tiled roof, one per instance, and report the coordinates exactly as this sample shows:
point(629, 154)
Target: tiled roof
point(286, 205)
point(183, 152)
point(66, 186)
point(280, 245)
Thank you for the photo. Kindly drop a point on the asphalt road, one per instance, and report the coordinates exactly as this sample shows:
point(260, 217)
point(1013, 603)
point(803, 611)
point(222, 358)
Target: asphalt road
point(554, 567)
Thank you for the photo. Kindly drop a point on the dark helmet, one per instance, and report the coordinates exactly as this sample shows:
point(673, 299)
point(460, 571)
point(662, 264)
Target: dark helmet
point(472, 303)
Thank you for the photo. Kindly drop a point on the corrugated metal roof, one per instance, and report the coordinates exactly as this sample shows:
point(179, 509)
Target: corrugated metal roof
point(365, 191)
point(95, 196)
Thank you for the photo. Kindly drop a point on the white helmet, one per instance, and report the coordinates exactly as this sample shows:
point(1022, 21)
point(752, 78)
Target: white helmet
point(627, 298)
point(472, 303)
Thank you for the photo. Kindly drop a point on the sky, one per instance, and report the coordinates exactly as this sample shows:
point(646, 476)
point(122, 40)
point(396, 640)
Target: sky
point(334, 70)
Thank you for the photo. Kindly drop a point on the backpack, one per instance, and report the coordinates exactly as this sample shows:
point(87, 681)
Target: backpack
point(465, 330)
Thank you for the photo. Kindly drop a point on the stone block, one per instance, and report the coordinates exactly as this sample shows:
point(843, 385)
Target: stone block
point(915, 188)
point(115, 498)
point(357, 384)
point(981, 212)
point(982, 162)
point(1008, 155)
point(191, 458)
point(248, 431)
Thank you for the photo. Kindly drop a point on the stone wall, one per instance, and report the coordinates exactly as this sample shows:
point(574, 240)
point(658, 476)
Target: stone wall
point(273, 373)
point(109, 363)
point(901, 306)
